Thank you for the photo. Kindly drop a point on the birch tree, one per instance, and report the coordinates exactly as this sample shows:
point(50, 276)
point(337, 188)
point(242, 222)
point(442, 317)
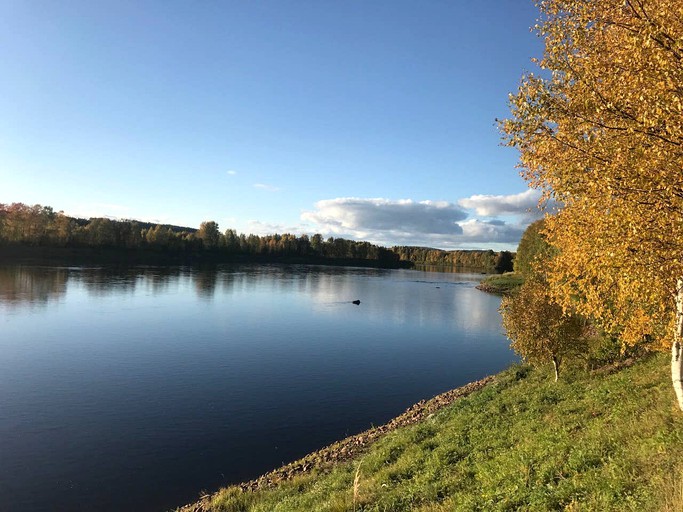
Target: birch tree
point(600, 130)
point(539, 330)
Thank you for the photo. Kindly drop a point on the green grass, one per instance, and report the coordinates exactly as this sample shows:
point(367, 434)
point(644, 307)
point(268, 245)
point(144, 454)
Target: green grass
point(502, 283)
point(601, 442)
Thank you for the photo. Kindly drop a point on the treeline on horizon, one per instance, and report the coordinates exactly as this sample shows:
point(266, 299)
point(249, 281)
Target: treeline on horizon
point(40, 226)
point(425, 256)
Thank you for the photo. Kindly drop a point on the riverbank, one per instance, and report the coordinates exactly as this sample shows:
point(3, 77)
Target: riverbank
point(501, 284)
point(603, 441)
point(347, 449)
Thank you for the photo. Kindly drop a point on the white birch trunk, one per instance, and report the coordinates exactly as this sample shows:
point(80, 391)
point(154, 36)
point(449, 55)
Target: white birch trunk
point(677, 349)
point(556, 367)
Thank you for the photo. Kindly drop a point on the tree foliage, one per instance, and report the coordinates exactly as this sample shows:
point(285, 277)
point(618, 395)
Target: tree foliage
point(38, 225)
point(465, 259)
point(41, 226)
point(209, 234)
point(533, 249)
point(541, 332)
point(504, 262)
point(600, 130)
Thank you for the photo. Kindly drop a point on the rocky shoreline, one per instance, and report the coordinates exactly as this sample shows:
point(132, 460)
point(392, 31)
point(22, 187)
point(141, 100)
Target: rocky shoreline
point(489, 289)
point(326, 458)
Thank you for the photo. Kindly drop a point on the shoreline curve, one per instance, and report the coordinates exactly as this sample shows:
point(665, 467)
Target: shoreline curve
point(326, 458)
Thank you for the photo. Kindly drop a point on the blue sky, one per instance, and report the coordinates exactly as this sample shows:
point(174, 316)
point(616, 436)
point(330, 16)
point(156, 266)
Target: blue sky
point(365, 119)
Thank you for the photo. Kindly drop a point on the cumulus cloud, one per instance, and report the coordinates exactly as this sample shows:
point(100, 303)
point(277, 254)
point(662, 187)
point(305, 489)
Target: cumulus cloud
point(524, 203)
point(477, 231)
point(476, 235)
point(363, 217)
point(468, 224)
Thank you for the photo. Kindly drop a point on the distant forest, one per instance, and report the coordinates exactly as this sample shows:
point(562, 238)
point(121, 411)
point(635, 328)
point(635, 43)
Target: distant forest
point(26, 227)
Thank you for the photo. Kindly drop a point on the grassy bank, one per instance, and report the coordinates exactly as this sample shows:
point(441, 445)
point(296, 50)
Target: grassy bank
point(607, 441)
point(501, 284)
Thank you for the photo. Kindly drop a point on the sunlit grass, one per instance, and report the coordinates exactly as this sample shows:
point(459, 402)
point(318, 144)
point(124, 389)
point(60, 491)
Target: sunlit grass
point(601, 442)
point(502, 283)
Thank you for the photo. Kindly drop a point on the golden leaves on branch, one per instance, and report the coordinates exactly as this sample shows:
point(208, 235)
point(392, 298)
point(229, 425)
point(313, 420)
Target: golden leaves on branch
point(600, 129)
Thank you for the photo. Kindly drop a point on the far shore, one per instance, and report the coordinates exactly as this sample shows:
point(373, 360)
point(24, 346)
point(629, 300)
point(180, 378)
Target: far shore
point(43, 255)
point(76, 256)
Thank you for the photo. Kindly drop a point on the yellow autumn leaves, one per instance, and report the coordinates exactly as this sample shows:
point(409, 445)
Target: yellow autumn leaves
point(600, 130)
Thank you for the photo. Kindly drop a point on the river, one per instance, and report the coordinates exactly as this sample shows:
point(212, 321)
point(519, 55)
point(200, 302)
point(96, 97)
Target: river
point(137, 388)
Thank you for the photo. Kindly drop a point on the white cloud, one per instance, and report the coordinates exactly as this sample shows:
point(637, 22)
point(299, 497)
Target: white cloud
point(264, 186)
point(373, 217)
point(477, 231)
point(426, 223)
point(231, 173)
point(524, 203)
point(475, 236)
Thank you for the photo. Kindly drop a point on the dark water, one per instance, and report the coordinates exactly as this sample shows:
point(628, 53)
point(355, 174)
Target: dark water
point(135, 389)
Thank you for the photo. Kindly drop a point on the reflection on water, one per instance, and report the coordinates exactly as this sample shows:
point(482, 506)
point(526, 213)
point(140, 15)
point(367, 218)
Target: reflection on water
point(115, 381)
point(328, 286)
point(34, 285)
point(27, 285)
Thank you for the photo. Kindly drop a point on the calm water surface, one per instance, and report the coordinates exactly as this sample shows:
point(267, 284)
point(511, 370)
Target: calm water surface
point(135, 389)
